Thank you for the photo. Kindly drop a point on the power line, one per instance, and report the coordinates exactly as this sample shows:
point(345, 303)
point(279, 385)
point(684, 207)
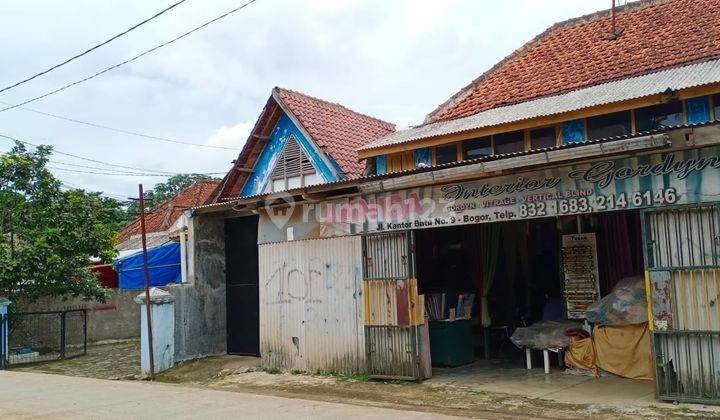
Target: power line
point(106, 173)
point(130, 60)
point(85, 158)
point(121, 173)
point(102, 193)
point(106, 169)
point(92, 160)
point(119, 130)
point(89, 50)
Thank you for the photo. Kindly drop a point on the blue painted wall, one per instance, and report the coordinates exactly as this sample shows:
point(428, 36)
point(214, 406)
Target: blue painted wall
point(573, 131)
point(380, 164)
point(698, 110)
point(422, 157)
point(259, 178)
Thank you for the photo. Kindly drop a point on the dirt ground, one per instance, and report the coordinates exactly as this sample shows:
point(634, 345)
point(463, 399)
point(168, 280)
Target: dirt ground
point(446, 396)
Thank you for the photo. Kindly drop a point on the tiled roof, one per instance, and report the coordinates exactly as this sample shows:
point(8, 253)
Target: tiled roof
point(340, 131)
point(162, 217)
point(331, 126)
point(654, 34)
point(676, 78)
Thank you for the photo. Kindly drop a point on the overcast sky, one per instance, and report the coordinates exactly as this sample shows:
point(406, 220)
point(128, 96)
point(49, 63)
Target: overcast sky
point(392, 59)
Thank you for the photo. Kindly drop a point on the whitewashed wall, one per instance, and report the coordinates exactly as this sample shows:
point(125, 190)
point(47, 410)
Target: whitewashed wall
point(311, 305)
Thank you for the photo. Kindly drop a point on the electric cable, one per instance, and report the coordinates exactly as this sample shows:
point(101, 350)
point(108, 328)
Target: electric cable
point(130, 60)
point(119, 130)
point(119, 197)
point(106, 173)
point(145, 170)
point(91, 49)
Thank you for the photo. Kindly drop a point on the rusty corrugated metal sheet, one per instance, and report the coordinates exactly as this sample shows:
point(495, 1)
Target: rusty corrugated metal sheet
point(617, 91)
point(684, 242)
point(682, 256)
point(311, 305)
point(394, 352)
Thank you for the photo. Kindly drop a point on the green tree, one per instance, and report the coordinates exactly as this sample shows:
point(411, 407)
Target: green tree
point(165, 190)
point(47, 235)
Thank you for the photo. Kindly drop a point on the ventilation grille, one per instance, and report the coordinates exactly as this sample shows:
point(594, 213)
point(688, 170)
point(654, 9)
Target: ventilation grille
point(293, 161)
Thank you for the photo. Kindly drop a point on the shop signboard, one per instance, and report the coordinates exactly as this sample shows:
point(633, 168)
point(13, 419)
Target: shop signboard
point(652, 180)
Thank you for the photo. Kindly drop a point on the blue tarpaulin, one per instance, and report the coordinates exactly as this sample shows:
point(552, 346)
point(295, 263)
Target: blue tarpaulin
point(163, 263)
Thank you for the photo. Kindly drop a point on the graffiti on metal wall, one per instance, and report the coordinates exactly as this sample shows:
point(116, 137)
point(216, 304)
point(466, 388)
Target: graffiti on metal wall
point(307, 281)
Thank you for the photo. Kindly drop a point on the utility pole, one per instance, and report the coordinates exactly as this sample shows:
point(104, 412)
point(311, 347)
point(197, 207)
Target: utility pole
point(148, 312)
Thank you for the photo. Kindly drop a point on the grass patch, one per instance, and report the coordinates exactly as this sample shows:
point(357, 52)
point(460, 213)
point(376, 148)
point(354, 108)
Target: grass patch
point(400, 382)
point(476, 392)
point(361, 377)
point(272, 371)
point(298, 372)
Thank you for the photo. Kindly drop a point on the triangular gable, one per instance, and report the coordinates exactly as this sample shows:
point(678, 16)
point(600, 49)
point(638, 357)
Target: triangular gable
point(285, 129)
point(328, 133)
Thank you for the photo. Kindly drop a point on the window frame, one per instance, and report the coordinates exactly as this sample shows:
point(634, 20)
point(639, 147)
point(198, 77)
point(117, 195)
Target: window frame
point(629, 124)
point(636, 129)
point(558, 135)
point(463, 150)
point(523, 139)
point(458, 153)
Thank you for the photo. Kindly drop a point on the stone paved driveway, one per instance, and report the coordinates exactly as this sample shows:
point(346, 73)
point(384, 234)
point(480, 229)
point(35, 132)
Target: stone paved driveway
point(106, 361)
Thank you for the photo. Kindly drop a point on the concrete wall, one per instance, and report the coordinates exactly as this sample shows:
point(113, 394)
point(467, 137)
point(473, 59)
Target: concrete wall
point(116, 319)
point(200, 324)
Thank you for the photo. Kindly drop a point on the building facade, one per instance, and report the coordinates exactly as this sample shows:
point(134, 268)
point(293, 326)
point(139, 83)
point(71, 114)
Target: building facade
point(587, 157)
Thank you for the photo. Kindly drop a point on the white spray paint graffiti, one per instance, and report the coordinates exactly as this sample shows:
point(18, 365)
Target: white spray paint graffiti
point(311, 305)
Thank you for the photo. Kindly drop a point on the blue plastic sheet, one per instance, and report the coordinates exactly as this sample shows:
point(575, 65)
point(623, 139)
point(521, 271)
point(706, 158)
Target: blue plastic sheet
point(163, 263)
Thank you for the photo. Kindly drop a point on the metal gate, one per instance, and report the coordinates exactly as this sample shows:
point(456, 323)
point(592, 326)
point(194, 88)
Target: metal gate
point(683, 280)
point(392, 313)
point(44, 336)
point(3, 340)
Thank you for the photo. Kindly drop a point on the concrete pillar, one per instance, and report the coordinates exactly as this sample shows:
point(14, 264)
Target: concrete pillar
point(4, 304)
point(162, 308)
point(183, 256)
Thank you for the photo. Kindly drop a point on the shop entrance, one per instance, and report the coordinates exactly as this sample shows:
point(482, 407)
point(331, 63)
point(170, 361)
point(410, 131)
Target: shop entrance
point(242, 293)
point(481, 283)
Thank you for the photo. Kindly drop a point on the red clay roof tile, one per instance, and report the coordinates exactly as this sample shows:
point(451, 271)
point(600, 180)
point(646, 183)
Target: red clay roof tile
point(166, 214)
point(340, 131)
point(577, 53)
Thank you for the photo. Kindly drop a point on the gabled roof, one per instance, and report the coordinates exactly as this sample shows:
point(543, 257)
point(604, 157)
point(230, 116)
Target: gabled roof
point(340, 131)
point(653, 34)
point(335, 129)
point(163, 216)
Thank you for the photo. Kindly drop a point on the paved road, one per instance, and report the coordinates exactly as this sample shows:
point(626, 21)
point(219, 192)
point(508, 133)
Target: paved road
point(37, 395)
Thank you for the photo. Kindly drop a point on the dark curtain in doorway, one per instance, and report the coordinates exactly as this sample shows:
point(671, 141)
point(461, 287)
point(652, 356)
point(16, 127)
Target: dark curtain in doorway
point(619, 247)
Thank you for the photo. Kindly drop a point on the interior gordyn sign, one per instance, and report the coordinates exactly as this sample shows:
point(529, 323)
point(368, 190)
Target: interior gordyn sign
point(683, 177)
point(661, 179)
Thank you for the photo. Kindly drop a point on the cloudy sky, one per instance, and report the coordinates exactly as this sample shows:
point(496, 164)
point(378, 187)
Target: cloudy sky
point(393, 59)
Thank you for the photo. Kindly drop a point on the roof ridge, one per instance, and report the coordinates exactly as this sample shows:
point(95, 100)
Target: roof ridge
point(334, 104)
point(527, 46)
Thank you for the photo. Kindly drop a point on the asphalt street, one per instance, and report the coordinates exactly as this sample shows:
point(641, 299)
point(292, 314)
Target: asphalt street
point(37, 395)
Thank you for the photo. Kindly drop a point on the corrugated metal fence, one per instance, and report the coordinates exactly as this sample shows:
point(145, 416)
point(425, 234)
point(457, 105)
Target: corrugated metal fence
point(310, 305)
point(392, 309)
point(684, 284)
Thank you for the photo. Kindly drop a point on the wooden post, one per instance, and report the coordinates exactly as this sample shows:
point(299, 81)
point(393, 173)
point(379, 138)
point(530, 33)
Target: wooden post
point(148, 310)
